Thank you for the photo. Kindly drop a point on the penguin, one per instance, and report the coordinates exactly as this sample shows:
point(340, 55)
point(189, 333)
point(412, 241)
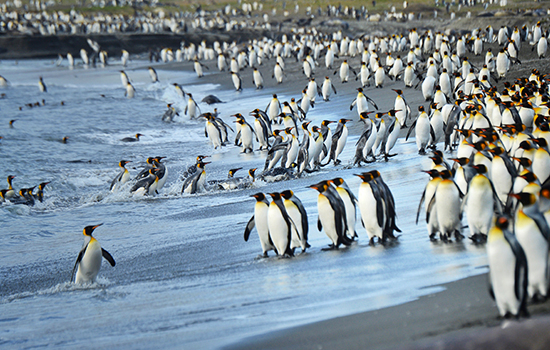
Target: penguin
point(257, 79)
point(193, 168)
point(423, 129)
point(192, 109)
point(345, 68)
point(246, 134)
point(260, 221)
point(280, 226)
point(146, 185)
point(41, 85)
point(339, 139)
point(10, 192)
point(3, 81)
point(532, 233)
point(292, 148)
point(326, 89)
point(278, 73)
point(40, 192)
point(262, 128)
point(298, 215)
point(162, 172)
point(447, 201)
point(392, 134)
point(273, 108)
point(277, 150)
point(130, 91)
point(124, 79)
point(332, 215)
point(88, 262)
point(371, 207)
point(402, 108)
point(237, 82)
point(507, 270)
point(427, 195)
point(123, 58)
point(350, 203)
point(362, 101)
point(121, 178)
point(481, 203)
point(195, 182)
point(197, 66)
point(153, 74)
point(132, 139)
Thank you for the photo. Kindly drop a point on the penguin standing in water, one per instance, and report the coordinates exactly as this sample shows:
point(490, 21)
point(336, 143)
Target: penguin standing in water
point(130, 91)
point(280, 226)
point(124, 78)
point(507, 270)
point(259, 220)
point(481, 203)
point(10, 192)
point(332, 215)
point(237, 81)
point(350, 204)
point(339, 139)
point(153, 74)
point(447, 199)
point(192, 109)
point(88, 261)
point(121, 178)
point(195, 182)
point(532, 232)
point(41, 85)
point(427, 195)
point(297, 213)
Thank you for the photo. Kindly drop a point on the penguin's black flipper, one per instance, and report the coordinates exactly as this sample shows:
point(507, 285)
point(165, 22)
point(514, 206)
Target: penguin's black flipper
point(78, 260)
point(410, 130)
point(319, 224)
point(248, 229)
point(108, 257)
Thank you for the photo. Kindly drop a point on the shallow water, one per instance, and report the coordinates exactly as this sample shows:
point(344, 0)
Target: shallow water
point(184, 275)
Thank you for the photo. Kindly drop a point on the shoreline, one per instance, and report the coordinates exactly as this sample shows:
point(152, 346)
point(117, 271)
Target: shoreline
point(461, 316)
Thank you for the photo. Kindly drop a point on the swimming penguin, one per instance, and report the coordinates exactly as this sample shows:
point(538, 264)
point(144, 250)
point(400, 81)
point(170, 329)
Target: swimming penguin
point(10, 192)
point(297, 213)
point(88, 261)
point(481, 203)
point(532, 232)
point(339, 139)
point(122, 177)
point(162, 172)
point(3, 81)
point(350, 202)
point(153, 74)
point(132, 139)
point(508, 275)
point(332, 215)
point(230, 183)
point(146, 185)
point(193, 168)
point(40, 192)
point(195, 183)
point(260, 221)
point(41, 85)
point(280, 226)
point(130, 91)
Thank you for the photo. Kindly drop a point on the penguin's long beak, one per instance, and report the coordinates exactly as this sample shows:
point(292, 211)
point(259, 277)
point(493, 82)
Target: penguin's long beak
point(96, 226)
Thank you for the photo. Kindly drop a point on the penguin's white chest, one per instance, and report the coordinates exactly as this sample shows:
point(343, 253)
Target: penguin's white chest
point(89, 266)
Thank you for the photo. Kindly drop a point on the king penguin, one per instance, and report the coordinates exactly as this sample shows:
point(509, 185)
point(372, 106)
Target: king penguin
point(297, 213)
point(122, 177)
point(280, 226)
point(350, 203)
point(507, 270)
point(88, 261)
point(259, 220)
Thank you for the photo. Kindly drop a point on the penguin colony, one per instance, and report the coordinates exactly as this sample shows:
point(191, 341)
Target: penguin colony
point(498, 139)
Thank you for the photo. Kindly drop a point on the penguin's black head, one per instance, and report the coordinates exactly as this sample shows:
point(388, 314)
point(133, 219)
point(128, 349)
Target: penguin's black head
point(42, 185)
point(122, 163)
point(3, 193)
point(233, 171)
point(252, 172)
point(529, 177)
point(287, 194)
point(502, 222)
point(10, 178)
point(525, 198)
point(275, 195)
point(337, 181)
point(541, 142)
point(480, 168)
point(445, 174)
point(366, 177)
point(259, 196)
point(526, 145)
point(433, 173)
point(89, 229)
point(321, 186)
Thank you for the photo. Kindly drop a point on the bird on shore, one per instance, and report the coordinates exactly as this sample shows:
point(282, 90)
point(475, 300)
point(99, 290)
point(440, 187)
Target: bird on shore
point(297, 213)
point(42, 85)
point(88, 262)
point(280, 226)
point(153, 74)
point(260, 221)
